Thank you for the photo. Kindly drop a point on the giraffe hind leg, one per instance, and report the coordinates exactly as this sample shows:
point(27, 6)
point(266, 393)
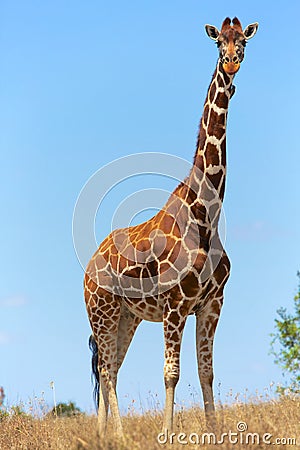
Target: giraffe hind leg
point(100, 392)
point(105, 332)
point(128, 324)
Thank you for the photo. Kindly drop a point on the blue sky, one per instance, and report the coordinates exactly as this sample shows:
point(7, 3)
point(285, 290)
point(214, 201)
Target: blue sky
point(84, 83)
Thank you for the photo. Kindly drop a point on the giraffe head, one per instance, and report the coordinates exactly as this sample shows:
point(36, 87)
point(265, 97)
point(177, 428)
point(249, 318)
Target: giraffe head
point(231, 42)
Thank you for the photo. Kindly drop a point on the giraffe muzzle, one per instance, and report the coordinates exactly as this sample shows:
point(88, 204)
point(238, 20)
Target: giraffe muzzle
point(231, 64)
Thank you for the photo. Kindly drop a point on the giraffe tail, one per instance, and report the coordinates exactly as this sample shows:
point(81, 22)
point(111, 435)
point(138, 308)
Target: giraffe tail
point(95, 372)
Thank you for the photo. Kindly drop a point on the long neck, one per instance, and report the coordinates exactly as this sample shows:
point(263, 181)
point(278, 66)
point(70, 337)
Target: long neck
point(210, 156)
point(205, 184)
point(202, 191)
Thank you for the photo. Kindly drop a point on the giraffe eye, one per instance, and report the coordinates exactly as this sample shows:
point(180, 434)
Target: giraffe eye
point(219, 42)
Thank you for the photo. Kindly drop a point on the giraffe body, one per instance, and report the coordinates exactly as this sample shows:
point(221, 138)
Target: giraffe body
point(166, 268)
point(174, 264)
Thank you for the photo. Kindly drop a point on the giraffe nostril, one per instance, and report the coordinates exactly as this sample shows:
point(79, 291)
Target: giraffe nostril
point(226, 60)
point(235, 59)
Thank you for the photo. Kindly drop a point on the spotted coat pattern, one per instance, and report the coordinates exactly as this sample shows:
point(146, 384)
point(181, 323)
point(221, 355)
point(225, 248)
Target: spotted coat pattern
point(167, 268)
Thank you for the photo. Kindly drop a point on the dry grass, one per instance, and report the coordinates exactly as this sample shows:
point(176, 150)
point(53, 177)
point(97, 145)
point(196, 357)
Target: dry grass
point(280, 418)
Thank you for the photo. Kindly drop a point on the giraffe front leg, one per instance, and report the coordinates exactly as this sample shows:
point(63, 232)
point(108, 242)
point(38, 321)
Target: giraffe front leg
point(206, 323)
point(173, 329)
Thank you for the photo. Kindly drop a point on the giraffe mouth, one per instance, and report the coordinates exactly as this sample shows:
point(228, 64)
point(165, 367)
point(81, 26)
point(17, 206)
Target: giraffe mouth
point(231, 67)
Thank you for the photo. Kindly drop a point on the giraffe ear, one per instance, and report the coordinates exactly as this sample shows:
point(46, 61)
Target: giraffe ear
point(212, 32)
point(250, 30)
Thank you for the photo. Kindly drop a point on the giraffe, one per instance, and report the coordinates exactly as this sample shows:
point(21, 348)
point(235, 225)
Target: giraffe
point(174, 264)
